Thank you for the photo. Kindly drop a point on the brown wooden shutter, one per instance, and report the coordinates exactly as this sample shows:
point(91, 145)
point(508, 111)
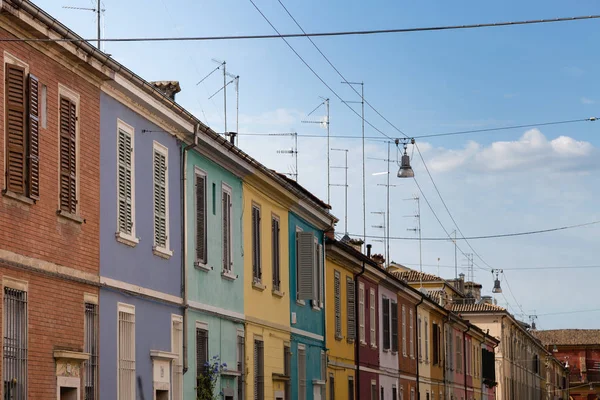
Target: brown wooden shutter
point(34, 139)
point(201, 219)
point(386, 324)
point(394, 307)
point(68, 162)
point(351, 308)
point(15, 129)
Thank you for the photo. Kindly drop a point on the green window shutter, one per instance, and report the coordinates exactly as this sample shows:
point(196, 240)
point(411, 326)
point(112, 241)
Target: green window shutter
point(305, 249)
point(125, 152)
point(34, 139)
point(160, 199)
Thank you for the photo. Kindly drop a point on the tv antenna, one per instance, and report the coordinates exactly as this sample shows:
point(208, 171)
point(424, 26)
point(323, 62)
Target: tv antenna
point(99, 11)
point(324, 122)
point(293, 151)
point(345, 186)
point(417, 229)
point(235, 79)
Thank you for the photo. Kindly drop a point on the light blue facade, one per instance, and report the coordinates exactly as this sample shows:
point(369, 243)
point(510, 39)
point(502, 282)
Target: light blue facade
point(123, 265)
point(310, 321)
point(216, 301)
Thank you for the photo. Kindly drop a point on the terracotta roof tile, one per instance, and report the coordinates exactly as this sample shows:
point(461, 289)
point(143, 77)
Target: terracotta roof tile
point(480, 307)
point(569, 336)
point(415, 276)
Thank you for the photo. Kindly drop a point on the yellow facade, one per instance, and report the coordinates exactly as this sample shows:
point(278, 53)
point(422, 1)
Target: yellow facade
point(341, 351)
point(424, 348)
point(266, 308)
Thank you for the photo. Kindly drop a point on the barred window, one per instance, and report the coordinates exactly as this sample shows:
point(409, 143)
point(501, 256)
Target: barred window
point(90, 346)
point(14, 365)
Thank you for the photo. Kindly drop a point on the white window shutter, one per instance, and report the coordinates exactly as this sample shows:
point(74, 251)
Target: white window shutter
point(306, 268)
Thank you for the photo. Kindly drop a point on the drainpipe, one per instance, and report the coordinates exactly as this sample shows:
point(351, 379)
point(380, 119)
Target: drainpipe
point(416, 322)
point(357, 324)
point(183, 205)
point(465, 359)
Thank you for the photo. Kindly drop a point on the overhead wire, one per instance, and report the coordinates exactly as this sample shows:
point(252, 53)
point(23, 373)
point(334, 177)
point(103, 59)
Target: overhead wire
point(313, 34)
point(517, 269)
point(512, 294)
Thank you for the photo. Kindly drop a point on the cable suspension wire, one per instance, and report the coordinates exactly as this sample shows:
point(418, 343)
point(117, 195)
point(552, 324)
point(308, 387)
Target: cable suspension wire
point(312, 34)
point(512, 294)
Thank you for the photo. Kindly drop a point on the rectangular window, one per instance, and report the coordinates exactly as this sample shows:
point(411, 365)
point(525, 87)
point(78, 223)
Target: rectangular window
point(394, 312)
point(412, 394)
point(373, 390)
point(337, 296)
point(318, 275)
point(226, 208)
point(287, 370)
point(301, 373)
point(331, 387)
point(201, 352)
point(403, 330)
point(412, 334)
point(350, 388)
point(22, 131)
point(351, 308)
point(259, 370)
point(426, 340)
point(382, 393)
point(458, 354)
point(275, 244)
point(240, 364)
point(161, 199)
point(419, 342)
point(435, 349)
point(256, 259)
point(394, 392)
point(323, 374)
point(373, 318)
point(125, 180)
point(201, 217)
point(361, 312)
point(14, 361)
point(305, 266)
point(90, 346)
point(386, 323)
point(177, 348)
point(68, 155)
point(126, 352)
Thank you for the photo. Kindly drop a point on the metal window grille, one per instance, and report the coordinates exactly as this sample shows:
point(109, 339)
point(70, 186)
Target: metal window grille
point(90, 366)
point(177, 335)
point(126, 356)
point(259, 370)
point(14, 366)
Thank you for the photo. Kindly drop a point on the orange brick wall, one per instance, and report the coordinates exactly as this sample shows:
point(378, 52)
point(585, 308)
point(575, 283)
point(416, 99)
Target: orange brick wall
point(35, 230)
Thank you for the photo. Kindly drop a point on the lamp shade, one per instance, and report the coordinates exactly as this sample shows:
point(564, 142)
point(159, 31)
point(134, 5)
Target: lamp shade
point(405, 170)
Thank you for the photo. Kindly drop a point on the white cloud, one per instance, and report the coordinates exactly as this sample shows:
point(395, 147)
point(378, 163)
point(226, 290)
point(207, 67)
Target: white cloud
point(532, 151)
point(586, 100)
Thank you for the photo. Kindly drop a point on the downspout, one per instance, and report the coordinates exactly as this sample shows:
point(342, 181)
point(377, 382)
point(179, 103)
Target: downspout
point(465, 359)
point(183, 205)
point(419, 348)
point(357, 324)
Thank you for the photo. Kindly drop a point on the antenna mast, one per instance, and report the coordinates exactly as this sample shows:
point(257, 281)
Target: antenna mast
point(417, 216)
point(98, 10)
point(345, 185)
point(326, 122)
point(293, 151)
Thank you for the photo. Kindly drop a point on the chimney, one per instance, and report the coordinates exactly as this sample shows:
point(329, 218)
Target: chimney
point(461, 282)
point(330, 234)
point(486, 300)
point(232, 136)
point(369, 250)
point(355, 243)
point(379, 259)
point(169, 88)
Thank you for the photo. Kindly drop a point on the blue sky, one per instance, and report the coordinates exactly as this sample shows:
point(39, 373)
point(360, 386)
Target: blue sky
point(424, 83)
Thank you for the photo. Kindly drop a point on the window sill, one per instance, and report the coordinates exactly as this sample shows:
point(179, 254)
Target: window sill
point(258, 286)
point(363, 343)
point(386, 350)
point(69, 216)
point(374, 347)
point(350, 341)
point(228, 275)
point(277, 293)
point(19, 197)
point(202, 266)
point(162, 252)
point(338, 338)
point(300, 303)
point(126, 239)
point(394, 353)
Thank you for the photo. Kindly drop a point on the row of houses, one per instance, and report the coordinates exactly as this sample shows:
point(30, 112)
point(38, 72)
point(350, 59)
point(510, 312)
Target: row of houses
point(139, 249)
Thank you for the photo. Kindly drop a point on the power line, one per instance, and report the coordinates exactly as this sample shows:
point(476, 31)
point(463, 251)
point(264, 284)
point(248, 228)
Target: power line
point(313, 34)
point(569, 312)
point(500, 235)
point(518, 269)
point(512, 294)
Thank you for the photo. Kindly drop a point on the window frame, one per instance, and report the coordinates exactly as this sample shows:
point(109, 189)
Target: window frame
point(362, 334)
point(177, 320)
point(71, 95)
point(256, 243)
point(127, 309)
point(130, 239)
point(411, 324)
point(164, 252)
point(404, 341)
point(372, 318)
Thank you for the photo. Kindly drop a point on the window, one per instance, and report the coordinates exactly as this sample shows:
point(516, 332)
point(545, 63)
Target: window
point(382, 393)
point(350, 388)
point(201, 220)
point(412, 335)
point(394, 392)
point(14, 361)
point(403, 330)
point(426, 340)
point(305, 266)
point(361, 312)
point(125, 181)
point(259, 370)
point(373, 390)
point(240, 363)
point(287, 370)
point(68, 155)
point(412, 394)
point(22, 131)
point(301, 373)
point(337, 295)
point(323, 374)
point(201, 351)
point(90, 346)
point(372, 319)
point(386, 323)
point(435, 344)
point(319, 275)
point(420, 349)
point(177, 348)
point(226, 208)
point(275, 245)
point(256, 259)
point(331, 387)
point(401, 392)
point(351, 308)
point(458, 354)
point(394, 312)
point(161, 201)
point(126, 352)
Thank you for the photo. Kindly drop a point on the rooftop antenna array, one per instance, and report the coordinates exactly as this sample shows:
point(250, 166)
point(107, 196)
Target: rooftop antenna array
point(417, 230)
point(293, 151)
point(99, 11)
point(345, 186)
point(324, 122)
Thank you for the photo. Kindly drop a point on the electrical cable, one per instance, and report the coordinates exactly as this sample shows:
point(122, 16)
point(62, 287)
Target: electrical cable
point(313, 34)
point(517, 269)
point(568, 312)
point(512, 294)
